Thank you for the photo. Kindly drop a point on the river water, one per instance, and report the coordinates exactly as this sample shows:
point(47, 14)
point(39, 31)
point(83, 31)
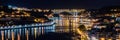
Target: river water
point(25, 33)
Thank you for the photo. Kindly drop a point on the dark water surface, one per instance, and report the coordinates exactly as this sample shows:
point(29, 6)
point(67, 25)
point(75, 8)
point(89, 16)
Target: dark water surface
point(37, 33)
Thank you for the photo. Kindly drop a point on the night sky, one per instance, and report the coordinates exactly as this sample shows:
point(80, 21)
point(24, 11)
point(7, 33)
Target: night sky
point(89, 4)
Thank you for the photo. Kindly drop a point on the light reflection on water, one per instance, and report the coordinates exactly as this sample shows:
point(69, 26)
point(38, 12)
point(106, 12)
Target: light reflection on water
point(25, 33)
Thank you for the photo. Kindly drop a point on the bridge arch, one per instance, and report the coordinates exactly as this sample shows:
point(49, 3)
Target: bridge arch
point(64, 13)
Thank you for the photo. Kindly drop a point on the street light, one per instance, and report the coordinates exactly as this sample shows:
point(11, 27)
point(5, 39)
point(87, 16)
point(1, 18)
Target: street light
point(102, 38)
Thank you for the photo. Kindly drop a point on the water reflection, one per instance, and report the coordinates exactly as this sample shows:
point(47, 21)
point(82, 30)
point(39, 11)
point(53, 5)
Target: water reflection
point(25, 33)
point(18, 36)
point(2, 35)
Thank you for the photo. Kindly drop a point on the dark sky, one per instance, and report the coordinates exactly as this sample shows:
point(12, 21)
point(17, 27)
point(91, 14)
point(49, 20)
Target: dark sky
point(61, 3)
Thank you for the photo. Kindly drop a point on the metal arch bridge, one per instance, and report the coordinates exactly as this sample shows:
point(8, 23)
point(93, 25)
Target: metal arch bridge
point(71, 11)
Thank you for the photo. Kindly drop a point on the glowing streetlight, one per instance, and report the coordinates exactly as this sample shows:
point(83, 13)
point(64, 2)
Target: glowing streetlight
point(102, 38)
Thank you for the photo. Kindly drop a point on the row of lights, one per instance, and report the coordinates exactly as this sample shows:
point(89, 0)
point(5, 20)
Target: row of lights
point(113, 14)
point(27, 25)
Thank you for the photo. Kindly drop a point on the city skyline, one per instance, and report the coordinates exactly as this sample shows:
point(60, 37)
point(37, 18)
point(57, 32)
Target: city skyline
point(59, 20)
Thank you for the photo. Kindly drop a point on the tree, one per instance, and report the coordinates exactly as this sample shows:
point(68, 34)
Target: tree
point(82, 28)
